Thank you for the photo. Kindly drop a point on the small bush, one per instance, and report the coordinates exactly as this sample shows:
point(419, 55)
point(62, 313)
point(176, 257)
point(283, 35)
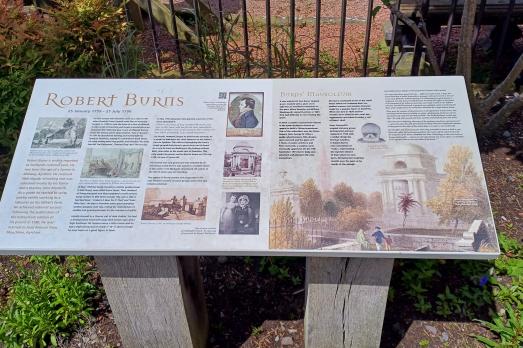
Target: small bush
point(71, 39)
point(78, 31)
point(23, 57)
point(49, 299)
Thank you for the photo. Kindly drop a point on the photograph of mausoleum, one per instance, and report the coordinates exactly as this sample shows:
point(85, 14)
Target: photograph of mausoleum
point(59, 132)
point(242, 159)
point(413, 205)
point(174, 204)
point(112, 163)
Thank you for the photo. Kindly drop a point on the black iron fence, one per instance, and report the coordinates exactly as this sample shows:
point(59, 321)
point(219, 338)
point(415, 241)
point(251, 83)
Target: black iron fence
point(216, 61)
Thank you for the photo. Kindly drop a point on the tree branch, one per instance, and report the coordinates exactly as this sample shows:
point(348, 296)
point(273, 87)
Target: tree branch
point(425, 39)
point(504, 112)
point(504, 86)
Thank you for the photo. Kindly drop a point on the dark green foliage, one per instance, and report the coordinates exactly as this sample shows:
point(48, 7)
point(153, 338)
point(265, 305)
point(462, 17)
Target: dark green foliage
point(73, 39)
point(507, 323)
point(469, 295)
point(15, 91)
point(509, 330)
point(50, 298)
point(279, 267)
point(476, 285)
point(79, 33)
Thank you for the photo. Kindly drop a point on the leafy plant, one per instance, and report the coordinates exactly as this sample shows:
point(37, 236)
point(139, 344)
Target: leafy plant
point(472, 298)
point(49, 300)
point(15, 91)
point(123, 58)
point(422, 304)
point(510, 329)
point(508, 322)
point(73, 38)
point(448, 303)
point(424, 343)
point(78, 32)
point(416, 278)
point(279, 267)
point(510, 294)
point(256, 331)
point(23, 57)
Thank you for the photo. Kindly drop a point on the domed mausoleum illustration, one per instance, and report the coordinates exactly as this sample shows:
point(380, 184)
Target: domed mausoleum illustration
point(409, 168)
point(243, 160)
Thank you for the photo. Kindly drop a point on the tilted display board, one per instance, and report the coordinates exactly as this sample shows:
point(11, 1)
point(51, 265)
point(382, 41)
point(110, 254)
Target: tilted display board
point(367, 167)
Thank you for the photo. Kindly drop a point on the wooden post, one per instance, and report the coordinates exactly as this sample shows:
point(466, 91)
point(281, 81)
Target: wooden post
point(345, 301)
point(157, 301)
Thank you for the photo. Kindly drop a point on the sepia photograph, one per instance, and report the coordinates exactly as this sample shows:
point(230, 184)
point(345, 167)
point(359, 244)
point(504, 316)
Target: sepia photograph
point(112, 163)
point(245, 114)
point(242, 159)
point(174, 204)
point(59, 132)
point(240, 213)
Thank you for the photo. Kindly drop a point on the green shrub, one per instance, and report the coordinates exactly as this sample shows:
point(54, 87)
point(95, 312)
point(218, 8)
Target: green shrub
point(507, 323)
point(22, 39)
point(15, 91)
point(49, 299)
point(23, 57)
point(78, 31)
point(72, 39)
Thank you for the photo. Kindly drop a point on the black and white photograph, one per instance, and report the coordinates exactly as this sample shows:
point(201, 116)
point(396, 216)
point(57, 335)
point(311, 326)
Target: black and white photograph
point(240, 213)
point(370, 133)
point(242, 159)
point(112, 163)
point(59, 132)
point(245, 114)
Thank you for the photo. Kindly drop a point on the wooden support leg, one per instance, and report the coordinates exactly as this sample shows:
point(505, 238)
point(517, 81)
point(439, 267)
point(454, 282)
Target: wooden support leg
point(346, 299)
point(157, 301)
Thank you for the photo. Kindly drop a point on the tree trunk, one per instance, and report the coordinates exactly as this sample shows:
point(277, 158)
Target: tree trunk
point(464, 62)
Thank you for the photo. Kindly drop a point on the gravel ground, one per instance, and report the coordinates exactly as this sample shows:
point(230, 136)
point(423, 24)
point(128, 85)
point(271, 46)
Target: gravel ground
point(305, 24)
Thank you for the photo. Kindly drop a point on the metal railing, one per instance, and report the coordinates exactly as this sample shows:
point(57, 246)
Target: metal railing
point(245, 51)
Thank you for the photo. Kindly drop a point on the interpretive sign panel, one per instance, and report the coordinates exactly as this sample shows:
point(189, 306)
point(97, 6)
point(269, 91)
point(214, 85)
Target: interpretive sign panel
point(377, 167)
